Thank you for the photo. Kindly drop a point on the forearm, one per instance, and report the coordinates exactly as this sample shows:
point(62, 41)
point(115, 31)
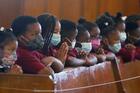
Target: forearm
point(72, 61)
point(55, 63)
point(47, 71)
point(57, 66)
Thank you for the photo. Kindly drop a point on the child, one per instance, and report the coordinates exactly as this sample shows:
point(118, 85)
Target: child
point(104, 21)
point(108, 31)
point(134, 19)
point(120, 26)
point(95, 39)
point(51, 28)
point(28, 32)
point(94, 33)
point(68, 34)
point(8, 46)
point(131, 51)
point(110, 42)
point(111, 39)
point(84, 45)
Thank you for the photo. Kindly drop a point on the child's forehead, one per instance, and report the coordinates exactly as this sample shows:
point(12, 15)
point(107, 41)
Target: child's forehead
point(95, 30)
point(35, 27)
point(74, 32)
point(114, 34)
point(12, 44)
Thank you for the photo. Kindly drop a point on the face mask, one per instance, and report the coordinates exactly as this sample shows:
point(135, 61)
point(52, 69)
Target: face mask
point(115, 48)
point(96, 43)
point(87, 47)
point(36, 44)
point(123, 36)
point(73, 44)
point(9, 60)
point(56, 39)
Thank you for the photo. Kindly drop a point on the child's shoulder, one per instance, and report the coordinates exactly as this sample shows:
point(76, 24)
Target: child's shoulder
point(22, 52)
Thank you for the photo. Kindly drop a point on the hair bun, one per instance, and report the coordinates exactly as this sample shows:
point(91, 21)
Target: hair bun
point(82, 20)
point(107, 14)
point(119, 15)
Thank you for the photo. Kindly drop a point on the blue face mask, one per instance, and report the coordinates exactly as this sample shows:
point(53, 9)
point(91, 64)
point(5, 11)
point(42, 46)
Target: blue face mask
point(87, 47)
point(123, 36)
point(56, 39)
point(36, 44)
point(115, 48)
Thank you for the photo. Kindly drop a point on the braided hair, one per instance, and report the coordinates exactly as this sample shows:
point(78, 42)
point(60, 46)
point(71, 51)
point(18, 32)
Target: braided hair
point(48, 23)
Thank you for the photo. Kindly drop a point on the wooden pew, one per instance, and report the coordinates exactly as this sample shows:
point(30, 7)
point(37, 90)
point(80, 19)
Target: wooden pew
point(71, 79)
point(24, 83)
point(130, 70)
point(79, 77)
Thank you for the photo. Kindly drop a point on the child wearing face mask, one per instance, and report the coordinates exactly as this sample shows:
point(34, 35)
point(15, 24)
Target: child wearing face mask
point(84, 45)
point(111, 39)
point(131, 51)
point(51, 28)
point(94, 31)
point(8, 46)
point(28, 32)
point(120, 26)
point(68, 34)
point(95, 38)
point(110, 43)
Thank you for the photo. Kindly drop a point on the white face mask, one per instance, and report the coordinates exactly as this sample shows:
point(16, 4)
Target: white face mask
point(9, 60)
point(123, 36)
point(73, 44)
point(87, 47)
point(56, 39)
point(115, 48)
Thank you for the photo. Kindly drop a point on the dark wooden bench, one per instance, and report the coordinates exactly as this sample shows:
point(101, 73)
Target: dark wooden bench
point(74, 80)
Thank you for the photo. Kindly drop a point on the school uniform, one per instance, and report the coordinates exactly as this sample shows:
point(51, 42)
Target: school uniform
point(129, 55)
point(30, 61)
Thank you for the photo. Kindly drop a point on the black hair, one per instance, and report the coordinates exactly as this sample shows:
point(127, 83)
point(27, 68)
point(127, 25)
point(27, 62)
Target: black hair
point(48, 23)
point(19, 25)
point(88, 25)
point(132, 18)
point(131, 27)
point(108, 30)
point(6, 36)
point(67, 27)
point(81, 31)
point(118, 18)
point(104, 21)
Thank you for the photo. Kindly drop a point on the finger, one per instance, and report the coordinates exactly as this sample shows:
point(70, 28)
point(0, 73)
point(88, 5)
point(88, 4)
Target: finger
point(68, 41)
point(65, 50)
